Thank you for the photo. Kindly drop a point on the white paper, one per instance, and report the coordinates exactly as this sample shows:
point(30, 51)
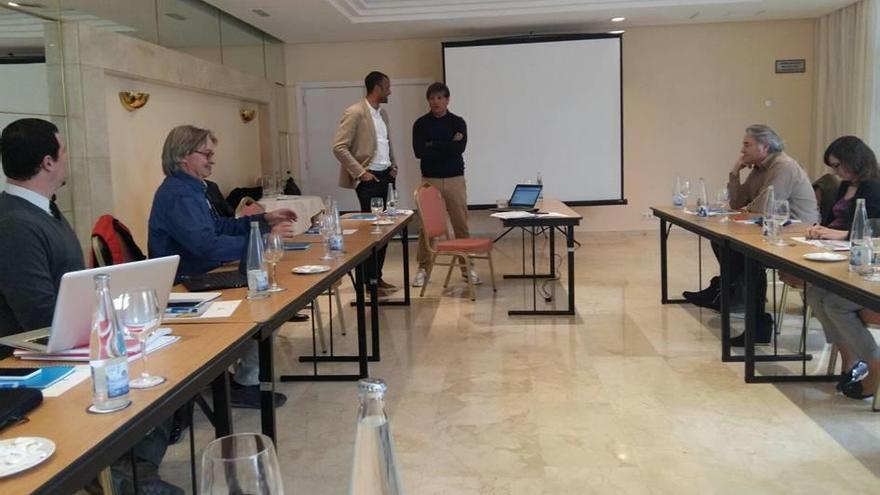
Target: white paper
point(824, 244)
point(198, 297)
point(221, 309)
point(80, 374)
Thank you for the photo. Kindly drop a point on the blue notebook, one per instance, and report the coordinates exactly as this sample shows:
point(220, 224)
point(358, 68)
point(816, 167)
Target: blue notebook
point(296, 246)
point(48, 376)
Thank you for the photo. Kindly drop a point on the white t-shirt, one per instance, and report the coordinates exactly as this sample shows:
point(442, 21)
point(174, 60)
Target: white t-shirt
point(382, 160)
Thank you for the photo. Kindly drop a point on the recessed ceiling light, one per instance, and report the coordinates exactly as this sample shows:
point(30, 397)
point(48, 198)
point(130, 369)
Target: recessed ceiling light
point(618, 19)
point(618, 31)
point(12, 4)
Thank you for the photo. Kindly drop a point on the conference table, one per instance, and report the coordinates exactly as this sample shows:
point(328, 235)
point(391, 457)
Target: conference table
point(747, 240)
point(86, 443)
point(552, 214)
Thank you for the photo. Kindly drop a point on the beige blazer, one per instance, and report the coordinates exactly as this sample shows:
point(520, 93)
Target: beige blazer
point(354, 144)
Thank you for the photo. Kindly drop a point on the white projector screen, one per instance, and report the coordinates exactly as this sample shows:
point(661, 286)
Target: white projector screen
point(548, 105)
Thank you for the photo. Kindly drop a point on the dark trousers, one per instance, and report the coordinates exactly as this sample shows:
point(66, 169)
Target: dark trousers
point(374, 189)
point(737, 269)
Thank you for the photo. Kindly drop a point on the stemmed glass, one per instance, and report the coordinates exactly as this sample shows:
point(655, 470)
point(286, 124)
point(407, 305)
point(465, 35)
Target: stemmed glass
point(685, 191)
point(240, 464)
point(781, 213)
point(140, 317)
point(273, 252)
point(377, 205)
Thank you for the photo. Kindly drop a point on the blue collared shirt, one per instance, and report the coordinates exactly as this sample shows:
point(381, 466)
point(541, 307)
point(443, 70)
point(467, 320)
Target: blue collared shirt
point(182, 223)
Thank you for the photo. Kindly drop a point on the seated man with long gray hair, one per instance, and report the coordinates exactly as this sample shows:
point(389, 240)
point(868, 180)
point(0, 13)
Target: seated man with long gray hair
point(763, 153)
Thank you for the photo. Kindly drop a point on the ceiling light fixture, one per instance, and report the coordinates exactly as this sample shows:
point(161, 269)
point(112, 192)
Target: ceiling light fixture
point(12, 4)
point(260, 12)
point(618, 19)
point(618, 31)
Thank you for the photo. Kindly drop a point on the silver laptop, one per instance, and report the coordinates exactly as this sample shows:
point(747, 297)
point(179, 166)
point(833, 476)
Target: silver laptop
point(75, 305)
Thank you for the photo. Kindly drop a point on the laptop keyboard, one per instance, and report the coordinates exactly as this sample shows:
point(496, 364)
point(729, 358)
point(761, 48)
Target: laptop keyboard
point(214, 281)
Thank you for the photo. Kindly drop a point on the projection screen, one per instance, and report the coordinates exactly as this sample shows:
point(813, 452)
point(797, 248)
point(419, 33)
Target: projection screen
point(550, 105)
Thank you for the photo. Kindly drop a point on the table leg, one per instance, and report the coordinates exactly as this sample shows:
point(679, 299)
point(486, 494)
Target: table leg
point(267, 387)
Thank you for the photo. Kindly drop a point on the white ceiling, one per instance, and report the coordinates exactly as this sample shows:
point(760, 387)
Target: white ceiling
point(305, 21)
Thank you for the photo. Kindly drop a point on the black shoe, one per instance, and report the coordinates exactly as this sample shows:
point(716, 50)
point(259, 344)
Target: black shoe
point(710, 297)
point(299, 317)
point(856, 374)
point(764, 334)
point(157, 486)
point(248, 397)
point(855, 390)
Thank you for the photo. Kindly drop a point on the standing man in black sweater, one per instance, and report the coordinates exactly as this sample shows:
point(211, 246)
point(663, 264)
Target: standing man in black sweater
point(439, 139)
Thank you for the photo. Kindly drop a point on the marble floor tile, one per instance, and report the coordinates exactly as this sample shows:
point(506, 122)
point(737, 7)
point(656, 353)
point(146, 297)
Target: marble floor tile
point(627, 397)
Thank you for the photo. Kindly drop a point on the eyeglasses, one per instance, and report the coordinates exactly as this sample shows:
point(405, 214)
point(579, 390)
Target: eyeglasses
point(834, 164)
point(206, 154)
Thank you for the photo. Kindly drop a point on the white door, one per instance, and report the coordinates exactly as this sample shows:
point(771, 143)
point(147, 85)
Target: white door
point(321, 107)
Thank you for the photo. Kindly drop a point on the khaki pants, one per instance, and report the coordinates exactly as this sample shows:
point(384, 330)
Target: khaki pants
point(454, 193)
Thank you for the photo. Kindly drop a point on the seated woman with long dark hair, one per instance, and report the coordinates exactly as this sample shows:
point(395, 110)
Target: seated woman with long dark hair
point(856, 164)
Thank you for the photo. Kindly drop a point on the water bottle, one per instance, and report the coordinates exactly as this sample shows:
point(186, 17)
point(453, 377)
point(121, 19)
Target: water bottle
point(391, 200)
point(703, 199)
point(540, 182)
point(374, 470)
point(257, 274)
point(861, 250)
point(337, 242)
point(677, 198)
point(767, 227)
point(108, 359)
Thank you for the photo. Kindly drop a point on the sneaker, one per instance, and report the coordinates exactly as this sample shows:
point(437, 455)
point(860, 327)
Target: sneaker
point(248, 397)
point(419, 280)
point(475, 279)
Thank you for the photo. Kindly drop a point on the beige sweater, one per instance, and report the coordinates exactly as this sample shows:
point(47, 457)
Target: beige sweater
point(789, 182)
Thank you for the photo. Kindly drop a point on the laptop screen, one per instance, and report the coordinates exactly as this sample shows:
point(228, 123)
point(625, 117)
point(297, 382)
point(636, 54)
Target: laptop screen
point(525, 195)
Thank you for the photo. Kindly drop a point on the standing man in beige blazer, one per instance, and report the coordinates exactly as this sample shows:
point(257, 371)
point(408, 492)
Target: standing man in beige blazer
point(362, 145)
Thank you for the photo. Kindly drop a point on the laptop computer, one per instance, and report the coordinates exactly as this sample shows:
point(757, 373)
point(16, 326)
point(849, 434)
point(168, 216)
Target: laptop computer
point(211, 281)
point(523, 198)
point(75, 304)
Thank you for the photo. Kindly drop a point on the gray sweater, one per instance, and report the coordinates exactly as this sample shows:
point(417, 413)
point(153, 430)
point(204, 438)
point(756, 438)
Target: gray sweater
point(36, 249)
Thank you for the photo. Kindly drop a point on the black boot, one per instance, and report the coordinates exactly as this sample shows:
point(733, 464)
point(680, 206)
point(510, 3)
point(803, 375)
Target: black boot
point(763, 335)
point(710, 297)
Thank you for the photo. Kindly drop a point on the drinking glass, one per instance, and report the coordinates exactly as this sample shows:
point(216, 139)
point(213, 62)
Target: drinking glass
point(327, 228)
point(873, 272)
point(273, 251)
point(722, 198)
point(781, 213)
point(267, 182)
point(140, 317)
point(685, 190)
point(244, 463)
point(376, 206)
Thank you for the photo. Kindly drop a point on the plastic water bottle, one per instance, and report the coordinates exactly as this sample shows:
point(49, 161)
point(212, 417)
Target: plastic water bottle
point(108, 359)
point(540, 182)
point(677, 198)
point(861, 250)
point(257, 274)
point(337, 242)
point(767, 226)
point(374, 470)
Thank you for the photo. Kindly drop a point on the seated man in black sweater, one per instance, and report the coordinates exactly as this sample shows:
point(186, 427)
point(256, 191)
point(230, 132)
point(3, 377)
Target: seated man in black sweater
point(37, 247)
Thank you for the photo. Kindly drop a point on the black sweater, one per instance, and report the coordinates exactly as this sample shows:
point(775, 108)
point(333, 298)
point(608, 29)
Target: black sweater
point(432, 143)
point(869, 190)
point(35, 251)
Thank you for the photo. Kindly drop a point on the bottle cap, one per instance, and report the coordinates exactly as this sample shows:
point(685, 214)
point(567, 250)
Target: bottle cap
point(372, 386)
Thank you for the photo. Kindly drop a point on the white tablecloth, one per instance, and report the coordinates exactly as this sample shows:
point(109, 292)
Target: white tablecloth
point(305, 208)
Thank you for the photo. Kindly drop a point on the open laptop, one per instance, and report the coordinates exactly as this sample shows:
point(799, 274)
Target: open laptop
point(75, 305)
point(523, 198)
point(211, 281)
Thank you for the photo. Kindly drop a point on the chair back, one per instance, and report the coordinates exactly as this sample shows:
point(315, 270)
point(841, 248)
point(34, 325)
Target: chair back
point(432, 211)
point(112, 243)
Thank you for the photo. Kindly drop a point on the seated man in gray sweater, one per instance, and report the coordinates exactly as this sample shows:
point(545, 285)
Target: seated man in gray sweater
point(37, 247)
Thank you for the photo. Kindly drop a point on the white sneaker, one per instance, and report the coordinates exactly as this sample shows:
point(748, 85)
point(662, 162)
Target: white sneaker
point(475, 279)
point(419, 280)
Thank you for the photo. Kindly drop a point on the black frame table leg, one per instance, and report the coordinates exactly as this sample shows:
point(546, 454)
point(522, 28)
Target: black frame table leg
point(222, 405)
point(664, 268)
point(267, 387)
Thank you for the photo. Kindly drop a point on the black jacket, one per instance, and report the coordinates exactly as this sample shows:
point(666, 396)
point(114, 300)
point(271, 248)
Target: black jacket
point(869, 190)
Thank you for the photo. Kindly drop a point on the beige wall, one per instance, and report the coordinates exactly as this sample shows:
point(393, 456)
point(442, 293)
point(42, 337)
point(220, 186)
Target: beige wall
point(689, 91)
point(135, 164)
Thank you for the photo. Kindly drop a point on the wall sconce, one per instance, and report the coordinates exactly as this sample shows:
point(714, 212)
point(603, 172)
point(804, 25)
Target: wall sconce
point(132, 100)
point(247, 114)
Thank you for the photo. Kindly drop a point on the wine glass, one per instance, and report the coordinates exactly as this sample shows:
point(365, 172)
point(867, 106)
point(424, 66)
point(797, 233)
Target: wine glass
point(240, 464)
point(273, 252)
point(685, 191)
point(781, 213)
point(722, 198)
point(376, 206)
point(140, 317)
